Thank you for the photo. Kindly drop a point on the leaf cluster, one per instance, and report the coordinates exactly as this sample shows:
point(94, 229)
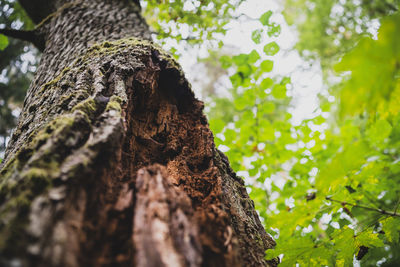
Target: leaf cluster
point(327, 189)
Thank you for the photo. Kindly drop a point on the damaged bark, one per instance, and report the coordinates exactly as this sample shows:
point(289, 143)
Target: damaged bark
point(113, 162)
point(159, 223)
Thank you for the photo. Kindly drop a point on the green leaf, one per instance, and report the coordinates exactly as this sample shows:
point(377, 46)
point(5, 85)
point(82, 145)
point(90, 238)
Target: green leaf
point(3, 42)
point(247, 99)
point(272, 253)
point(236, 79)
point(217, 125)
point(274, 30)
point(266, 83)
point(267, 108)
point(369, 239)
point(271, 49)
point(253, 56)
point(266, 131)
point(379, 131)
point(256, 36)
point(240, 103)
point(264, 19)
point(391, 227)
point(345, 243)
point(226, 61)
point(230, 135)
point(279, 91)
point(240, 59)
point(267, 65)
point(253, 172)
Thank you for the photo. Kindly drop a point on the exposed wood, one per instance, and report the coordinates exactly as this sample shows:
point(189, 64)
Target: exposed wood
point(165, 233)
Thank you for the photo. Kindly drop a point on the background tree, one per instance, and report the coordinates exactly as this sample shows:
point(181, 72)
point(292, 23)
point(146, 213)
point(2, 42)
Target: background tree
point(112, 162)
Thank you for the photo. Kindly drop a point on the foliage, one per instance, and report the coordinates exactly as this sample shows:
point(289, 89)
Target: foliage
point(192, 21)
point(328, 188)
point(3, 42)
point(329, 28)
point(15, 71)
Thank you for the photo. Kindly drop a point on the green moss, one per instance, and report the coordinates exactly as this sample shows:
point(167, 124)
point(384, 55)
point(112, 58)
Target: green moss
point(20, 185)
point(56, 125)
point(37, 139)
point(114, 103)
point(5, 190)
point(65, 100)
point(116, 46)
point(49, 164)
point(59, 122)
point(107, 44)
point(88, 107)
point(36, 179)
point(49, 84)
point(7, 168)
point(14, 217)
point(35, 173)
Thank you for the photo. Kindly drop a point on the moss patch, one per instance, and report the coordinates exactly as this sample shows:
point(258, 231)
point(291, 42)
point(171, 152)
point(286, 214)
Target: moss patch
point(53, 82)
point(87, 107)
point(114, 103)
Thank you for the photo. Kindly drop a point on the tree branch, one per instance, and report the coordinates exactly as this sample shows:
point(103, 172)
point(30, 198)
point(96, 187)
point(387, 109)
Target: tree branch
point(37, 10)
point(30, 36)
point(384, 212)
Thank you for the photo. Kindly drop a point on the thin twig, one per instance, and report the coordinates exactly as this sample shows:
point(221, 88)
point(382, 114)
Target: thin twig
point(385, 212)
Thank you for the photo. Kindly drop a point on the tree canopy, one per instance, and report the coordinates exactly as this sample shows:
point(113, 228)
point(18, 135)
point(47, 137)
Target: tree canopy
point(328, 187)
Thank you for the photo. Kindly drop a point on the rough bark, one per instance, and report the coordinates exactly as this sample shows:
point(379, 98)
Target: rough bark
point(113, 162)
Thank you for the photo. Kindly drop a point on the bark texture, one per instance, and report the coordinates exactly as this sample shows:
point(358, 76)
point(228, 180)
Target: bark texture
point(113, 162)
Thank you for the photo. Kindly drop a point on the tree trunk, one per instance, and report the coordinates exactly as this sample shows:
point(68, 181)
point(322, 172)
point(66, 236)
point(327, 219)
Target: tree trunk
point(113, 162)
